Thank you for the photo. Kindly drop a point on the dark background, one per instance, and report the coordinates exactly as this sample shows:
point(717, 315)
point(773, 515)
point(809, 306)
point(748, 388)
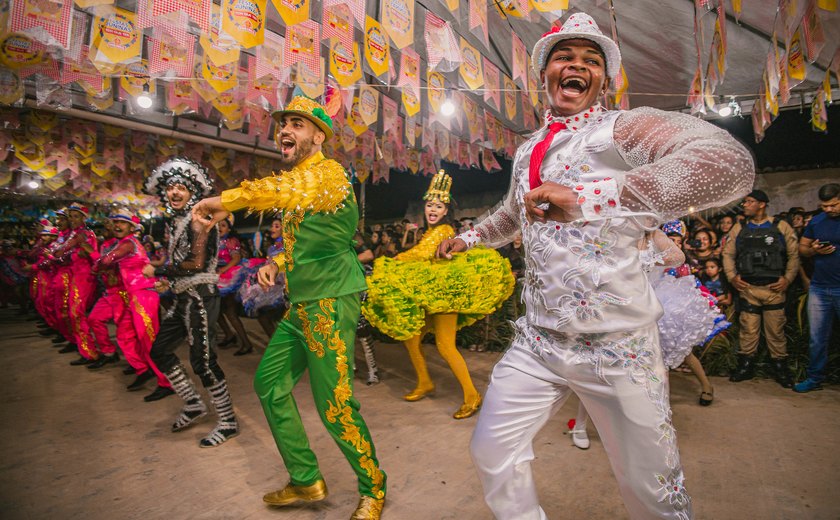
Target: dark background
point(789, 144)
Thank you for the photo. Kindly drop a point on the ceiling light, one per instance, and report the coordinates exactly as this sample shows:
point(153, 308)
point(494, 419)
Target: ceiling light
point(447, 108)
point(144, 100)
point(732, 109)
point(33, 185)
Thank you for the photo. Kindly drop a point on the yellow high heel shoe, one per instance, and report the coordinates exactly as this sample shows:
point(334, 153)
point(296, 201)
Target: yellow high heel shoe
point(419, 393)
point(468, 409)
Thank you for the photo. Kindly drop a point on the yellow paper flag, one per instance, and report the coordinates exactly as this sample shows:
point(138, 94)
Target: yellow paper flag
point(435, 92)
point(244, 21)
point(116, 37)
point(796, 61)
point(470, 69)
point(547, 6)
point(827, 5)
point(292, 11)
point(376, 47)
point(345, 65)
point(220, 77)
point(510, 98)
point(310, 83)
point(398, 20)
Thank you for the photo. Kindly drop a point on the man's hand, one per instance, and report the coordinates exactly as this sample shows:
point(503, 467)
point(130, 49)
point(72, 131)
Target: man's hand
point(450, 246)
point(161, 286)
point(779, 285)
point(739, 284)
point(149, 271)
point(210, 208)
point(822, 248)
point(561, 200)
point(267, 274)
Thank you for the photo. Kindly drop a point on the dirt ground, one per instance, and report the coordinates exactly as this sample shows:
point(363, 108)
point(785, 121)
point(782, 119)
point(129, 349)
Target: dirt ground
point(75, 444)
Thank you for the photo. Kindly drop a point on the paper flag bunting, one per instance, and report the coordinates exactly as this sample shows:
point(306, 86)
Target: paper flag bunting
point(398, 21)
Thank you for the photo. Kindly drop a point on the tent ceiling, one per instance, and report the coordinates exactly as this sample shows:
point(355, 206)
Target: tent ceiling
point(656, 37)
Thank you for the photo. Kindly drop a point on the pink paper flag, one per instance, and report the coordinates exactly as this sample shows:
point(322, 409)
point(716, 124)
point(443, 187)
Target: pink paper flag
point(50, 22)
point(491, 84)
point(303, 44)
point(197, 10)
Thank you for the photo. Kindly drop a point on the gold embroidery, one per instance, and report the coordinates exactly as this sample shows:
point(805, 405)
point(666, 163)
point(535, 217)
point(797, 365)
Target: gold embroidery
point(325, 322)
point(305, 324)
point(340, 409)
point(77, 324)
point(147, 320)
point(291, 224)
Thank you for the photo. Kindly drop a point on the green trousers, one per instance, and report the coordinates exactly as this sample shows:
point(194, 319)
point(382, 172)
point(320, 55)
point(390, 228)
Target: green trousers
point(318, 335)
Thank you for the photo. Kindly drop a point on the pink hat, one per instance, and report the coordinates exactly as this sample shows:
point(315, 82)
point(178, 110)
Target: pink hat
point(577, 26)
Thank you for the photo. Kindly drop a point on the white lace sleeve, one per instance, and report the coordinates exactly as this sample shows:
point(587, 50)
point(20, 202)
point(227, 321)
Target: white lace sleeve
point(500, 225)
point(657, 250)
point(668, 254)
point(679, 162)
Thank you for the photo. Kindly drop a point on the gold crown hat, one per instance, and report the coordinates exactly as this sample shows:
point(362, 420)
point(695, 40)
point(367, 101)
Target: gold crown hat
point(311, 110)
point(439, 188)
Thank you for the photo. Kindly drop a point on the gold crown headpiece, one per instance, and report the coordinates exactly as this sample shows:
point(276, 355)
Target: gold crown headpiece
point(439, 187)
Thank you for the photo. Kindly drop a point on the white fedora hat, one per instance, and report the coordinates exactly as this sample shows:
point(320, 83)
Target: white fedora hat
point(577, 26)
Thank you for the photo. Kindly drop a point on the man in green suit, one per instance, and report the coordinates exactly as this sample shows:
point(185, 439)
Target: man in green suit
point(324, 281)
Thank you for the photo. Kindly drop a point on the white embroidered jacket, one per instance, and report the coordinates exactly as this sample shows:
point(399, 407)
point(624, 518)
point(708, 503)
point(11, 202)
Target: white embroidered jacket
point(586, 276)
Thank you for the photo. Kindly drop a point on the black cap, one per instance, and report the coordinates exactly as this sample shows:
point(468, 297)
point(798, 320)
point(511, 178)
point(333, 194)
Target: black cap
point(759, 196)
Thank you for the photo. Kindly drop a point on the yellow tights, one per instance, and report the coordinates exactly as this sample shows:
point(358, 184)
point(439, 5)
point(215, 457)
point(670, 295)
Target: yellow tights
point(444, 326)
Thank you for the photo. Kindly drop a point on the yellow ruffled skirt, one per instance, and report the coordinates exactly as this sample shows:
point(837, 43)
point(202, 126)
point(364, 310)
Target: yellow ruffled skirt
point(401, 293)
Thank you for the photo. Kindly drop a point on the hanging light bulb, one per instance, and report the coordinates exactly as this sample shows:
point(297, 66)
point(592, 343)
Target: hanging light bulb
point(732, 109)
point(447, 108)
point(144, 100)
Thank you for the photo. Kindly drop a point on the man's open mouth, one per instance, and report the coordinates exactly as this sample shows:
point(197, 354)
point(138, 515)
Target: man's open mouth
point(287, 145)
point(574, 86)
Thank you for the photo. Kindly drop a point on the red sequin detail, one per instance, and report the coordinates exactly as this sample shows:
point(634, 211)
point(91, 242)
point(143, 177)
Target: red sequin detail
point(597, 191)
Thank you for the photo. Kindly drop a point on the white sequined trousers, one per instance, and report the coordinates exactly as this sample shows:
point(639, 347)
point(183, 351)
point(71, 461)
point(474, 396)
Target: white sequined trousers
point(621, 380)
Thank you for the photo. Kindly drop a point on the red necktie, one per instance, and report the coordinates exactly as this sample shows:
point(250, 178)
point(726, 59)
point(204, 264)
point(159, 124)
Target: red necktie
point(538, 154)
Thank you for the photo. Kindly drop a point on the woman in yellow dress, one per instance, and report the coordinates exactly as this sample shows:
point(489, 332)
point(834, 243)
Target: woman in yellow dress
point(414, 293)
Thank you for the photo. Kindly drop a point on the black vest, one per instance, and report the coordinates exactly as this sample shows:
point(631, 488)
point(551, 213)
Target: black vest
point(760, 254)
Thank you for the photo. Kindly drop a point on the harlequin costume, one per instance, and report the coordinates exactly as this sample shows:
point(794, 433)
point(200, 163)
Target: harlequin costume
point(414, 293)
point(74, 259)
point(590, 322)
point(324, 279)
point(191, 272)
